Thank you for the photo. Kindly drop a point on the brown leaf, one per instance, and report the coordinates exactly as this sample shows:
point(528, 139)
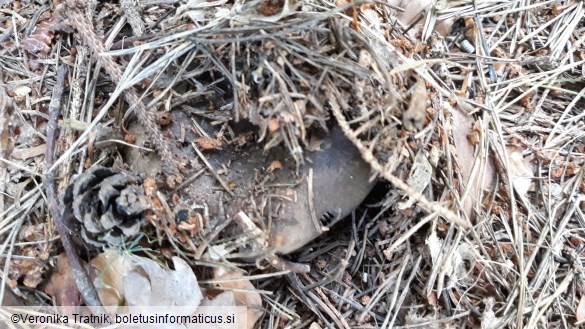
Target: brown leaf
point(61, 285)
point(39, 42)
point(315, 144)
point(273, 125)
point(414, 118)
point(465, 157)
point(249, 298)
point(275, 165)
point(109, 280)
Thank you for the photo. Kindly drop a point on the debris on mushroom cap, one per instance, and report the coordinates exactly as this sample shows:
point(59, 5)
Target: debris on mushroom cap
point(104, 206)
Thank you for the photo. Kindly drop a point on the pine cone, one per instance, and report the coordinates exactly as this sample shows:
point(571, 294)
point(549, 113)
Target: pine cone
point(104, 207)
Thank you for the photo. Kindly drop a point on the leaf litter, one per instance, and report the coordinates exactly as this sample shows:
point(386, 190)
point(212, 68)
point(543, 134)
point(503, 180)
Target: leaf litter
point(502, 209)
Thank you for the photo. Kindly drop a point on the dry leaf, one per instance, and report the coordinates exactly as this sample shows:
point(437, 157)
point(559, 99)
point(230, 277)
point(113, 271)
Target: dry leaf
point(466, 159)
point(414, 118)
point(273, 125)
point(520, 170)
point(275, 165)
point(39, 42)
point(224, 299)
point(30, 152)
point(141, 281)
point(412, 12)
point(249, 298)
point(419, 179)
point(62, 286)
point(432, 299)
point(580, 311)
point(315, 325)
point(111, 270)
point(488, 318)
point(151, 285)
point(209, 143)
point(315, 144)
point(22, 90)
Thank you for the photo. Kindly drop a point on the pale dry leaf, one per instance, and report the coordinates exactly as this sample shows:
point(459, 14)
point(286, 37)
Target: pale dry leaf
point(226, 299)
point(520, 170)
point(315, 325)
point(414, 117)
point(244, 292)
point(580, 311)
point(488, 318)
point(111, 270)
point(29, 152)
point(434, 244)
point(140, 281)
point(197, 10)
point(148, 284)
point(432, 299)
point(454, 266)
point(428, 321)
point(466, 159)
point(414, 8)
point(22, 90)
point(419, 179)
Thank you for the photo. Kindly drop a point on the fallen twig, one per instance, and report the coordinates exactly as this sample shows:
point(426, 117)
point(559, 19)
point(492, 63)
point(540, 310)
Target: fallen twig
point(84, 285)
point(6, 108)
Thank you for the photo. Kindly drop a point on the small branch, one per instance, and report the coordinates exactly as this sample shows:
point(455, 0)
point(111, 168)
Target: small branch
point(84, 285)
point(6, 109)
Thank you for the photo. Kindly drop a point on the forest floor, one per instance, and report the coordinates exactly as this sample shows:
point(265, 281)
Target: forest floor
point(327, 164)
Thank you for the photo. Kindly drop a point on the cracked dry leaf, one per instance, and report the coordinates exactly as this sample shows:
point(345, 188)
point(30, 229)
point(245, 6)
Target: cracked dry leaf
point(138, 281)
